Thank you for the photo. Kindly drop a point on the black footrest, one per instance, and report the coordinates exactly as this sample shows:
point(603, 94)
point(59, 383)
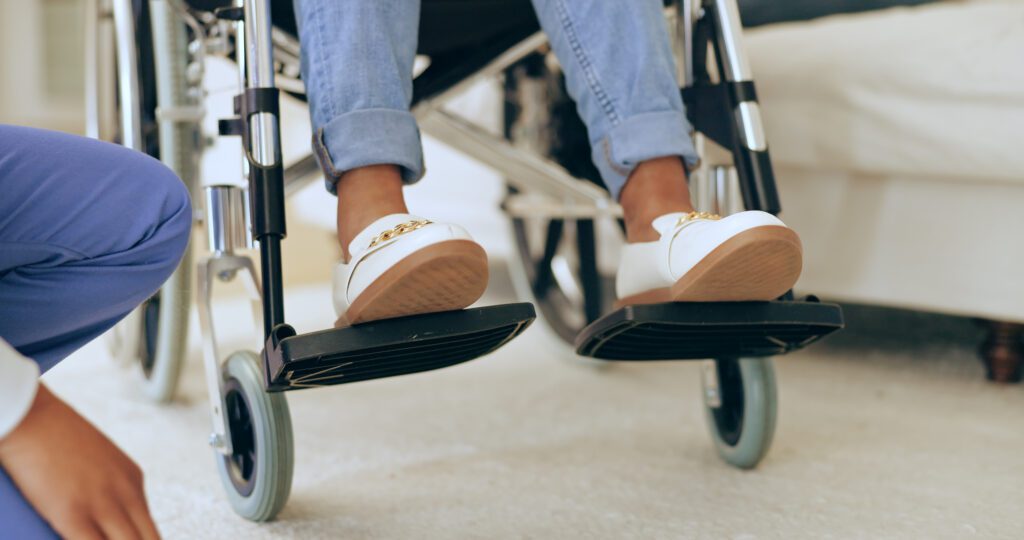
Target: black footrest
point(392, 347)
point(699, 330)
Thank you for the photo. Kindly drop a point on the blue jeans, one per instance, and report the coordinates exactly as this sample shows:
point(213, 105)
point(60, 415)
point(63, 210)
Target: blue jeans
point(357, 60)
point(88, 230)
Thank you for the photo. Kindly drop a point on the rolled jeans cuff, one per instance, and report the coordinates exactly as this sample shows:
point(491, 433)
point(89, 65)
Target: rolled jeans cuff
point(638, 139)
point(369, 137)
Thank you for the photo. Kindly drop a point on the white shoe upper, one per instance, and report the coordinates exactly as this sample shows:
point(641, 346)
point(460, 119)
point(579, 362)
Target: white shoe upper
point(684, 243)
point(382, 245)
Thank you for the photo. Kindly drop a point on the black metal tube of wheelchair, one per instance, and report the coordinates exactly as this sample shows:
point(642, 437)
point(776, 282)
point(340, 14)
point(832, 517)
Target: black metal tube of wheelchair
point(273, 283)
point(266, 185)
point(757, 181)
point(590, 278)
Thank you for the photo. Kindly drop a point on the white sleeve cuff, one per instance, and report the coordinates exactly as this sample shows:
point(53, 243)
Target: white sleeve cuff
point(19, 380)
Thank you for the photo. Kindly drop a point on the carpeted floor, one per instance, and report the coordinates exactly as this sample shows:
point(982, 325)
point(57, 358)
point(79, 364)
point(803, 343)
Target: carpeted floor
point(531, 443)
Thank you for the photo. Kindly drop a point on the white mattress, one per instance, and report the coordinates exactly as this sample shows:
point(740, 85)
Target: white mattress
point(898, 143)
point(933, 91)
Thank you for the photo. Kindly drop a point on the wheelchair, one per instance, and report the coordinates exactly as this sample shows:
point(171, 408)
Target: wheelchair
point(562, 220)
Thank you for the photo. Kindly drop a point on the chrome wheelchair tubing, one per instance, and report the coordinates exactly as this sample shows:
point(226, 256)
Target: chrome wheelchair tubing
point(127, 75)
point(528, 206)
point(730, 34)
point(259, 63)
point(257, 106)
point(524, 170)
point(240, 59)
point(287, 58)
point(264, 146)
point(226, 219)
point(240, 62)
point(299, 174)
point(737, 69)
point(493, 69)
point(718, 191)
point(286, 46)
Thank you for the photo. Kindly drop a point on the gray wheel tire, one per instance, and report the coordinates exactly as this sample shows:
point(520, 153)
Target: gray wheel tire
point(179, 151)
point(272, 431)
point(161, 382)
point(757, 426)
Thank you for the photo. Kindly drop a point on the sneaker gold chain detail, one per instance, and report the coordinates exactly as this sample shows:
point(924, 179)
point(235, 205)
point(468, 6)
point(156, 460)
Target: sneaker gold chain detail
point(694, 216)
point(399, 230)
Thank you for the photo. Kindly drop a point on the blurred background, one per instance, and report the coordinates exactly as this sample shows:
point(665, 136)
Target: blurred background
point(895, 128)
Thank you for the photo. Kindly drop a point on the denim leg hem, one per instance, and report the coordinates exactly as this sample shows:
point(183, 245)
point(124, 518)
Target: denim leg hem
point(640, 138)
point(369, 137)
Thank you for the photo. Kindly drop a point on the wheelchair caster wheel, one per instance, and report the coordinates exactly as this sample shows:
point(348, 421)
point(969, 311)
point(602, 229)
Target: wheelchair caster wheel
point(740, 401)
point(257, 475)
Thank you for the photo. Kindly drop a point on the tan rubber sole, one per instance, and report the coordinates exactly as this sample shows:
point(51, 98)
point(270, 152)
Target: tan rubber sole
point(441, 277)
point(758, 264)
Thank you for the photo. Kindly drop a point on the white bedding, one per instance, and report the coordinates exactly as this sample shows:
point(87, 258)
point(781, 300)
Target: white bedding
point(933, 91)
point(898, 143)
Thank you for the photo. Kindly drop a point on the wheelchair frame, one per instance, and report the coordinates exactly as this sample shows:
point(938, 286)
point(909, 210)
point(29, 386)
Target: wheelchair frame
point(237, 218)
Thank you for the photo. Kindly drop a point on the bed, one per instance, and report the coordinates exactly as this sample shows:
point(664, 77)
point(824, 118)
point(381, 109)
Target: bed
point(898, 142)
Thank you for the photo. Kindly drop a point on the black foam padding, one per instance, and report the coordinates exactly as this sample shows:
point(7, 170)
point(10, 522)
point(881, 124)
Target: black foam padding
point(393, 347)
point(701, 330)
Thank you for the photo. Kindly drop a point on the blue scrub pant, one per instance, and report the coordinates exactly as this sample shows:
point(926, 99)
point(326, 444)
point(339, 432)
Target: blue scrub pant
point(88, 230)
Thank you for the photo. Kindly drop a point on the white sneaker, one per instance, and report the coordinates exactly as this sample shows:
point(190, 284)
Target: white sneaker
point(704, 258)
point(406, 265)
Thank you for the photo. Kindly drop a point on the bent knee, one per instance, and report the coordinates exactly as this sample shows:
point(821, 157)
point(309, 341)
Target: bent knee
point(173, 223)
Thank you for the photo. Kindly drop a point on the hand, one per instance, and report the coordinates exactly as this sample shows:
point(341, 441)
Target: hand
point(77, 480)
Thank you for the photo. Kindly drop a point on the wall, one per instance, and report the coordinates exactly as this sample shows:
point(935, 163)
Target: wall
point(42, 63)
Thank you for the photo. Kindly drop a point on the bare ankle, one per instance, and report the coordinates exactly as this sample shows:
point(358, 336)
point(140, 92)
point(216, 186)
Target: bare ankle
point(365, 195)
point(656, 187)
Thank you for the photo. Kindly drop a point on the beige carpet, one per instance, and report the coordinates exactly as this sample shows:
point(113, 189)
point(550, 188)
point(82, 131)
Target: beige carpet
point(530, 443)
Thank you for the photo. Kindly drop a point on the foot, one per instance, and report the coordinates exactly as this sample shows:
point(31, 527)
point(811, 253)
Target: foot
point(405, 265)
point(700, 257)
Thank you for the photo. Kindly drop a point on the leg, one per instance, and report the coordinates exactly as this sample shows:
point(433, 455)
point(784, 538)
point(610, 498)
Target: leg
point(620, 70)
point(87, 231)
point(357, 60)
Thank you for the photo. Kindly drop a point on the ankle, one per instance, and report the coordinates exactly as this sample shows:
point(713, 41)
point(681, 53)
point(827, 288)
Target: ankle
point(365, 195)
point(641, 230)
point(655, 187)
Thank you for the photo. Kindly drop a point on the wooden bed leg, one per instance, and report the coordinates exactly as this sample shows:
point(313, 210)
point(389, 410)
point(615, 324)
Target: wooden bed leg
point(1002, 352)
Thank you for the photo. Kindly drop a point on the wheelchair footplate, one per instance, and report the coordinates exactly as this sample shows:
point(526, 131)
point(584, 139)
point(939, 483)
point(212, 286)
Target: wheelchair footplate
point(703, 330)
point(390, 347)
